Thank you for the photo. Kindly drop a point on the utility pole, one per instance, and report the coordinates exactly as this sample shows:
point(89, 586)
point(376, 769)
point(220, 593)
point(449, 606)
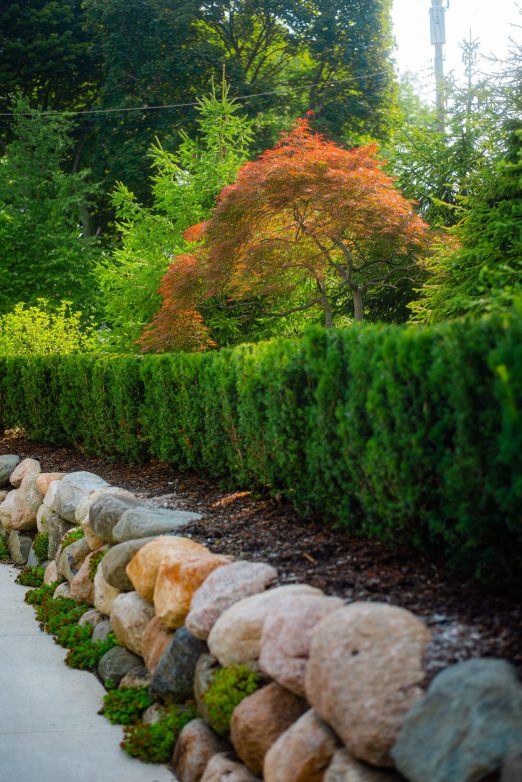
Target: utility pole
point(438, 39)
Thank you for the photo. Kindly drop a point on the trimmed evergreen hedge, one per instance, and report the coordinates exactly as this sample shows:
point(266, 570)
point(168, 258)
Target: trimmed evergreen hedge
point(407, 434)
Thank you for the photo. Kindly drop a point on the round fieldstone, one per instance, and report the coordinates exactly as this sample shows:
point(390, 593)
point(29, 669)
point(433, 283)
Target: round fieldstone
point(106, 511)
point(174, 674)
point(116, 663)
point(114, 563)
point(8, 462)
point(146, 521)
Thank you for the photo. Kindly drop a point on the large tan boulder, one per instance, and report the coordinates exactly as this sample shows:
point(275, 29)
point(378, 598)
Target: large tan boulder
point(130, 615)
point(26, 503)
point(156, 638)
point(259, 720)
point(176, 583)
point(7, 509)
point(302, 753)
point(82, 586)
point(223, 768)
point(345, 768)
point(51, 573)
point(44, 480)
point(25, 468)
point(285, 640)
point(196, 745)
point(143, 567)
point(364, 673)
point(236, 636)
point(224, 587)
point(104, 593)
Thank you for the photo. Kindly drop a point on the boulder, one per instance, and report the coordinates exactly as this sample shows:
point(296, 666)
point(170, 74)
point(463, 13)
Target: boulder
point(236, 636)
point(115, 563)
point(259, 720)
point(56, 529)
point(26, 504)
point(285, 640)
point(19, 547)
point(106, 511)
point(116, 663)
point(42, 516)
point(206, 668)
point(468, 722)
point(345, 768)
point(143, 567)
point(3, 494)
point(146, 522)
point(302, 753)
point(136, 677)
point(44, 480)
point(72, 488)
point(102, 630)
point(82, 513)
point(51, 573)
point(32, 559)
point(104, 594)
point(364, 673)
point(7, 509)
point(156, 638)
point(24, 468)
point(62, 590)
point(70, 559)
point(512, 767)
point(196, 745)
point(173, 677)
point(222, 768)
point(176, 583)
point(8, 462)
point(130, 616)
point(92, 618)
point(50, 496)
point(223, 588)
point(82, 586)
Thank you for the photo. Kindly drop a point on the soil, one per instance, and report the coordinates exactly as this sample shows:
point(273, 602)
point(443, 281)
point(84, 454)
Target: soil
point(465, 620)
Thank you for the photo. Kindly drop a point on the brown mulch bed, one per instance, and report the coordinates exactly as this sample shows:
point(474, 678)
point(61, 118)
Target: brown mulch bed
point(466, 621)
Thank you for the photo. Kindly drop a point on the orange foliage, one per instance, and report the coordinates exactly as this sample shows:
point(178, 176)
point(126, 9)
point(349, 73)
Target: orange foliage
point(307, 210)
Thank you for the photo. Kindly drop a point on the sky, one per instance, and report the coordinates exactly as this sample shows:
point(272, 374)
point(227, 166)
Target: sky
point(491, 21)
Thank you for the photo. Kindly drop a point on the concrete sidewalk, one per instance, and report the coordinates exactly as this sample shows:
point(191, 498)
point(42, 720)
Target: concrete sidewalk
point(49, 727)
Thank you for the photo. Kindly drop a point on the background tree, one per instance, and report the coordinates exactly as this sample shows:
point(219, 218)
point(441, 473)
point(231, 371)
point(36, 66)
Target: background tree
point(43, 252)
point(184, 187)
point(307, 223)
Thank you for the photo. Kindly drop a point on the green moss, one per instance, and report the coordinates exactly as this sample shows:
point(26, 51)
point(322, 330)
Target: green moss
point(126, 706)
point(72, 537)
point(4, 551)
point(95, 561)
point(31, 577)
point(155, 743)
point(228, 688)
point(41, 546)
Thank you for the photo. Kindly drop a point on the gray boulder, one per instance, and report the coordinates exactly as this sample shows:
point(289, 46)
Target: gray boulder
point(149, 522)
point(19, 547)
point(115, 562)
point(106, 511)
point(56, 529)
point(174, 674)
point(7, 464)
point(468, 722)
point(72, 557)
point(102, 630)
point(116, 663)
point(512, 767)
point(72, 489)
point(32, 559)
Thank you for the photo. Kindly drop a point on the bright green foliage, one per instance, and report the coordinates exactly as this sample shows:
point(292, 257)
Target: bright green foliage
point(94, 561)
point(38, 596)
point(228, 688)
point(72, 537)
point(55, 614)
point(39, 330)
point(184, 187)
point(86, 654)
point(409, 434)
point(154, 743)
point(126, 705)
point(4, 551)
point(41, 545)
point(43, 252)
point(31, 577)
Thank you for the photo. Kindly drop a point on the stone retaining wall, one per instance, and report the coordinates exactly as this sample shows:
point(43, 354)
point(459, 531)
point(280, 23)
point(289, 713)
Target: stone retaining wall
point(341, 695)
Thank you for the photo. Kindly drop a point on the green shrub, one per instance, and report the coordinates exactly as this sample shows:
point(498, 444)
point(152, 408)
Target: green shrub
point(41, 545)
point(228, 688)
point(126, 705)
point(94, 561)
point(412, 435)
point(72, 537)
point(40, 330)
point(31, 577)
point(4, 551)
point(84, 653)
point(38, 596)
point(155, 743)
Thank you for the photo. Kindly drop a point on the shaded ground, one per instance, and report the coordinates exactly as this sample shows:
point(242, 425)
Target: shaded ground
point(466, 621)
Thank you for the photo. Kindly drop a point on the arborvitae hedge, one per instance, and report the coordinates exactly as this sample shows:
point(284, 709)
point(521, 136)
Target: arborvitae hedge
point(410, 434)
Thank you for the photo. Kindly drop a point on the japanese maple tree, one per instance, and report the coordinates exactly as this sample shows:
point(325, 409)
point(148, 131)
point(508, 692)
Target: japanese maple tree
point(301, 227)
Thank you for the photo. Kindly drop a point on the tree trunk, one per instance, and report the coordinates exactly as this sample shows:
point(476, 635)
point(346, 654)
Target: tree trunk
point(357, 295)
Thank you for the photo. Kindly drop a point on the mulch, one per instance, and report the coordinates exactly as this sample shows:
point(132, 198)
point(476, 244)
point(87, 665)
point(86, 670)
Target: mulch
point(466, 620)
